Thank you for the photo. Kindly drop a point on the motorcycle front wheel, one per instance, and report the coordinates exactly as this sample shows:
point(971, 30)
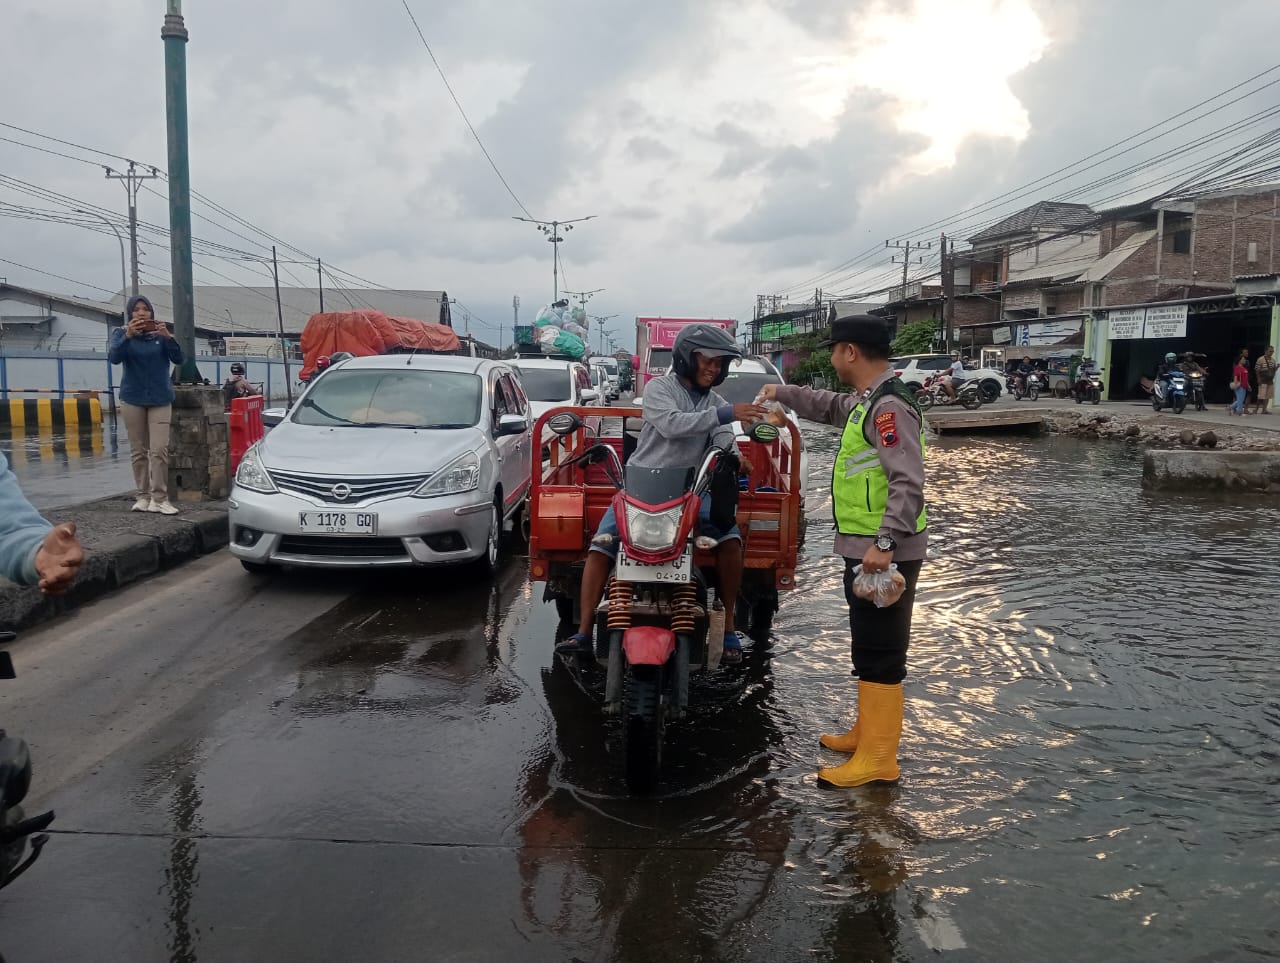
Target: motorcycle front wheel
point(1033, 393)
point(1179, 405)
point(645, 725)
point(971, 400)
point(925, 400)
point(1095, 396)
point(1079, 398)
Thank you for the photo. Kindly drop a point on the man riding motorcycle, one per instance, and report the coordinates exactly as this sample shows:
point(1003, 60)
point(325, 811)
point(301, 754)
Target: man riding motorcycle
point(683, 417)
point(1168, 366)
point(955, 376)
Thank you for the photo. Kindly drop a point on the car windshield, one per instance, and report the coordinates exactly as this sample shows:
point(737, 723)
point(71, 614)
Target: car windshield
point(741, 387)
point(383, 398)
point(545, 384)
point(610, 365)
point(659, 358)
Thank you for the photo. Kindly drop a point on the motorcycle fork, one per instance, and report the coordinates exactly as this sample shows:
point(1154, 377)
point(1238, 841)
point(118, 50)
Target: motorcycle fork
point(619, 620)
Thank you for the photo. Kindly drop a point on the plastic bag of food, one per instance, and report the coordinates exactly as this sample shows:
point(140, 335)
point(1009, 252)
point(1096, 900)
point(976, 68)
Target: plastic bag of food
point(883, 588)
point(777, 414)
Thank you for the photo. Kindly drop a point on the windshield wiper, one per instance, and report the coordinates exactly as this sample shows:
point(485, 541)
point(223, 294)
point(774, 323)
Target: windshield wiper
point(449, 425)
point(387, 424)
point(329, 414)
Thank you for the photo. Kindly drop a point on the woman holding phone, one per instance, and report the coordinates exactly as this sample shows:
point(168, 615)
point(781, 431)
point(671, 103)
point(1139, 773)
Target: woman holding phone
point(147, 351)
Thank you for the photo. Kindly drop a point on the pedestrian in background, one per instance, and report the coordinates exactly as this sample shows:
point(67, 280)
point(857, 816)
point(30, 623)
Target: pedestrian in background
point(1265, 369)
point(147, 351)
point(236, 386)
point(1240, 383)
point(877, 488)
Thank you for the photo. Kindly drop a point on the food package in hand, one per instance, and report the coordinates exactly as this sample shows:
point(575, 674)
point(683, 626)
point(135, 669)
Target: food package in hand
point(883, 588)
point(777, 414)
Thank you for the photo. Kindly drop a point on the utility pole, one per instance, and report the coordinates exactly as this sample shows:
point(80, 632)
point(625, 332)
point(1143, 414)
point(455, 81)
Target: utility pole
point(320, 283)
point(132, 180)
point(948, 290)
point(284, 350)
point(600, 321)
point(174, 35)
point(904, 258)
point(124, 299)
point(552, 230)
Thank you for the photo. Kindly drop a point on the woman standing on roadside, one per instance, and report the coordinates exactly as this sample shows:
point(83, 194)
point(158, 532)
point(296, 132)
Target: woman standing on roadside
point(147, 350)
point(1265, 369)
point(1240, 383)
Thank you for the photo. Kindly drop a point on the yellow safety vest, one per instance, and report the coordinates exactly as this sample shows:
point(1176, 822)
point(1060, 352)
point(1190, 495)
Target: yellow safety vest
point(859, 485)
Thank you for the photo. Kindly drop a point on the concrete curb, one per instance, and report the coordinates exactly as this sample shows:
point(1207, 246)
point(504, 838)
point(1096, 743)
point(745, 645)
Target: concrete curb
point(1199, 471)
point(120, 547)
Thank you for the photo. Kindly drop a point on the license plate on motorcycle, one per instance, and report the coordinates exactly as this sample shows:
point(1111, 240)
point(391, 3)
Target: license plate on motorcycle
point(337, 523)
point(677, 570)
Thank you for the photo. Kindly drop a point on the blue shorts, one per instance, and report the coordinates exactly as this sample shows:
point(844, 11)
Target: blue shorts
point(609, 526)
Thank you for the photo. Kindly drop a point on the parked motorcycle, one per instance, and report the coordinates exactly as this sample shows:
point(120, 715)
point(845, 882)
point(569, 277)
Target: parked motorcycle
point(16, 831)
point(1170, 390)
point(659, 619)
point(969, 394)
point(1088, 387)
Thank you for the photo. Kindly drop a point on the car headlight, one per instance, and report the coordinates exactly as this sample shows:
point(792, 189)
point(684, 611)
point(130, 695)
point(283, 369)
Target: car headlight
point(653, 531)
point(251, 473)
point(460, 475)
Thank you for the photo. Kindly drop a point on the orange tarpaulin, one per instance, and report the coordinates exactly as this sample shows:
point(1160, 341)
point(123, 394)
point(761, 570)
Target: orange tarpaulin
point(370, 332)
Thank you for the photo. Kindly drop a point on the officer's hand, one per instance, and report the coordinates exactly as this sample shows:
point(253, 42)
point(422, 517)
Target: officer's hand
point(749, 414)
point(875, 560)
point(59, 558)
point(768, 393)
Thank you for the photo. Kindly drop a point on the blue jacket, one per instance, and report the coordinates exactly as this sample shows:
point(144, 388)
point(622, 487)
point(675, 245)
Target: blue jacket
point(147, 361)
point(21, 530)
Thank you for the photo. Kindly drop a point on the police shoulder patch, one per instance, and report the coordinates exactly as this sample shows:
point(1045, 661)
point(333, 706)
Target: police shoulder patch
point(886, 425)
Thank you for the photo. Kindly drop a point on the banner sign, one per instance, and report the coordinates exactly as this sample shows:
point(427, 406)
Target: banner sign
point(1165, 321)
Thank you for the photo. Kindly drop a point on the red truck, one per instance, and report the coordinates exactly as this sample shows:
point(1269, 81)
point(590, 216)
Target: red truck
point(655, 337)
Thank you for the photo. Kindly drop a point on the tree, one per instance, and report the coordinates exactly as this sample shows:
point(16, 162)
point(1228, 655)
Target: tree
point(814, 362)
point(916, 338)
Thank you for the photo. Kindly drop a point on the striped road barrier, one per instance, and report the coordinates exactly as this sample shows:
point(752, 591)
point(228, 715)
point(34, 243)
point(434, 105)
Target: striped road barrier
point(30, 414)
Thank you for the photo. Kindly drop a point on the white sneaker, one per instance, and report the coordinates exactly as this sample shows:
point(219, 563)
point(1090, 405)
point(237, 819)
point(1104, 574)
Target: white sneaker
point(163, 508)
point(141, 505)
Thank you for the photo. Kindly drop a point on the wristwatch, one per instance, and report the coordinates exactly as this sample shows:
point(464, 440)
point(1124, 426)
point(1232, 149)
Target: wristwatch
point(885, 543)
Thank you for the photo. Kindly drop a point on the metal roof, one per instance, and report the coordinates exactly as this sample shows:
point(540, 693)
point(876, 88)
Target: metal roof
point(1044, 215)
point(108, 311)
point(235, 310)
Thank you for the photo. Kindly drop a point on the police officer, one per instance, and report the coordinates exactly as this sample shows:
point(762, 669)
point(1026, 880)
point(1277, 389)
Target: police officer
point(877, 486)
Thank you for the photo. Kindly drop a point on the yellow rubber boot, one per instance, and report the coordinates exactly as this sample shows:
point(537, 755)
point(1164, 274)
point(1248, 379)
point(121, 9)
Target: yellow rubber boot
point(845, 743)
point(880, 729)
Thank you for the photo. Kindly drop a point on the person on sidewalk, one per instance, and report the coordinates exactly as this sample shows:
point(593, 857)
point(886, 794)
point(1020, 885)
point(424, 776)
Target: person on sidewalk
point(1265, 369)
point(147, 351)
point(32, 551)
point(1240, 383)
point(877, 487)
point(683, 418)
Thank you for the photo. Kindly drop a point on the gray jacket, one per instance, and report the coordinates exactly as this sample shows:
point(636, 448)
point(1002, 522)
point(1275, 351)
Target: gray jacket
point(680, 425)
point(903, 462)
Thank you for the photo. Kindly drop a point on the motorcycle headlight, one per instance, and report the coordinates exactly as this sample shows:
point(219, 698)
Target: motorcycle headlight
point(653, 531)
point(251, 473)
point(460, 475)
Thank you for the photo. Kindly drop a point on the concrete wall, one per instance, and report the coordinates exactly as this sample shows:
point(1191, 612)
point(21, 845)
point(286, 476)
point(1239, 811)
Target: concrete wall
point(1200, 471)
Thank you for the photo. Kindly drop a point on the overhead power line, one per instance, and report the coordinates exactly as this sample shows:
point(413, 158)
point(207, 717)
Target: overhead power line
point(484, 150)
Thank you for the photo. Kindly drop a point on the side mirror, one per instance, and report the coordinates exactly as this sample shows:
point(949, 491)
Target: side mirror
point(512, 425)
point(273, 416)
point(564, 423)
point(590, 394)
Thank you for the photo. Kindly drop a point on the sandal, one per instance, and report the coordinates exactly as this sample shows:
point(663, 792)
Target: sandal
point(575, 644)
point(732, 654)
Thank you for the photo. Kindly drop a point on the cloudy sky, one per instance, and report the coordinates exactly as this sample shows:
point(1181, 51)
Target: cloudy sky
point(727, 148)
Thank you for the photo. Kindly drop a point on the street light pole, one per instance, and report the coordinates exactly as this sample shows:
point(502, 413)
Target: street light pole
point(124, 288)
point(174, 35)
point(552, 230)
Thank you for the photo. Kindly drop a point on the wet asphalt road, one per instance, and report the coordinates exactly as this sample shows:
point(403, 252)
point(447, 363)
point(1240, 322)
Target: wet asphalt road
point(68, 468)
point(346, 767)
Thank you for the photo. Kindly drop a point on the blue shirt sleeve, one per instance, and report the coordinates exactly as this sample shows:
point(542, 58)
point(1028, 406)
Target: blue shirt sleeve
point(22, 530)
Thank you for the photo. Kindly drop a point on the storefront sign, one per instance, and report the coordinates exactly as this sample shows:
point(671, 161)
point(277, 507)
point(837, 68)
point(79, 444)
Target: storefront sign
point(1002, 335)
point(1167, 321)
point(1126, 325)
point(1047, 332)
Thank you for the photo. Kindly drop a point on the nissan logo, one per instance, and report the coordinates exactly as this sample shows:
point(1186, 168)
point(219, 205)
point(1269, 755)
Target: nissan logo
point(340, 492)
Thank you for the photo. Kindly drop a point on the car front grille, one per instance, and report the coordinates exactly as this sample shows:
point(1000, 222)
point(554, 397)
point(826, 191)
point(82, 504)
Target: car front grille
point(361, 488)
point(342, 546)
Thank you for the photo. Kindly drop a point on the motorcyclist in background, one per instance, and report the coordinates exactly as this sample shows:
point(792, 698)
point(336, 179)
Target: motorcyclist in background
point(1168, 366)
point(955, 376)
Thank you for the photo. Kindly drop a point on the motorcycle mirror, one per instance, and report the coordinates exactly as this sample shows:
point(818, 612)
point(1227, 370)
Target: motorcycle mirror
point(15, 770)
point(763, 431)
point(564, 423)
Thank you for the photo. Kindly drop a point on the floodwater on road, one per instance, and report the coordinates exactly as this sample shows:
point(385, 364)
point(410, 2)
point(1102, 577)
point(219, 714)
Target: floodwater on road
point(1089, 763)
point(68, 467)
